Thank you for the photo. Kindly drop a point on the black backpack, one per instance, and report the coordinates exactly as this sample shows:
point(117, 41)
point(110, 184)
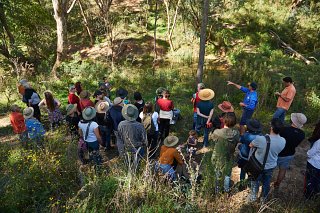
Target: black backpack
point(148, 124)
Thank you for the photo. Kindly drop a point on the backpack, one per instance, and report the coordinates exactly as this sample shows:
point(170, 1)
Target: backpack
point(148, 124)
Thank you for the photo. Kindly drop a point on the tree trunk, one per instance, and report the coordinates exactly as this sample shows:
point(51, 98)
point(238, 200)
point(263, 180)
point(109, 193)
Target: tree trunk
point(59, 7)
point(155, 32)
point(86, 24)
point(173, 25)
point(203, 32)
point(5, 26)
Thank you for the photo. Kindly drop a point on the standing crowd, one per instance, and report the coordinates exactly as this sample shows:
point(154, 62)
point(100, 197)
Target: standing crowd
point(142, 130)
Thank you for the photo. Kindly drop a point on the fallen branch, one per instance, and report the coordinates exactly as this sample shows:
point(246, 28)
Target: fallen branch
point(288, 49)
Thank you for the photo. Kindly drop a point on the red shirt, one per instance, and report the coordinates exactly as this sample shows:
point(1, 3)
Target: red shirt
point(195, 102)
point(165, 104)
point(85, 103)
point(17, 122)
point(74, 99)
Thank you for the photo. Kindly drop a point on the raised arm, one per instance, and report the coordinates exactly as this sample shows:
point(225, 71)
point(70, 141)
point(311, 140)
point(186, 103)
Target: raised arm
point(234, 84)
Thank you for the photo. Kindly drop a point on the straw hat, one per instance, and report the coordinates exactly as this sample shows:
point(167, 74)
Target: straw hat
point(226, 106)
point(206, 94)
point(171, 141)
point(130, 112)
point(84, 94)
point(102, 107)
point(89, 113)
point(71, 108)
point(298, 119)
point(28, 112)
point(117, 101)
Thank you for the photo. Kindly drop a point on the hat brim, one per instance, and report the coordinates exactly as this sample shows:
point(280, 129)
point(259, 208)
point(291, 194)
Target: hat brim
point(128, 118)
point(176, 141)
point(73, 109)
point(88, 118)
point(295, 121)
point(200, 94)
point(100, 110)
point(29, 116)
point(225, 110)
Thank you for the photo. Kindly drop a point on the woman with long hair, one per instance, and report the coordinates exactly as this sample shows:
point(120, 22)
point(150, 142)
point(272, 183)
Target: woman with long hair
point(52, 105)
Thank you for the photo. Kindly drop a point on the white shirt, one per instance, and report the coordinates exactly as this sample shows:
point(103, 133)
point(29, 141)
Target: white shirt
point(154, 116)
point(91, 136)
point(314, 154)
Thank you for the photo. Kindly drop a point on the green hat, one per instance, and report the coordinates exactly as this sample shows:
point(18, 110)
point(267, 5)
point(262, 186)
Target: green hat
point(130, 112)
point(89, 113)
point(171, 141)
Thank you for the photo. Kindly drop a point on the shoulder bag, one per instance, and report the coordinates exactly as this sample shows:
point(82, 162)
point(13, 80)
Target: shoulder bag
point(253, 167)
point(82, 146)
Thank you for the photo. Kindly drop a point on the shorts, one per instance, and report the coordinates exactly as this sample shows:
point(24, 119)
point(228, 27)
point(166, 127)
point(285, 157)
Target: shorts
point(246, 115)
point(284, 162)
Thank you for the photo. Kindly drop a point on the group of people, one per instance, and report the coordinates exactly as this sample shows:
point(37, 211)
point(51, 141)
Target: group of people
point(142, 128)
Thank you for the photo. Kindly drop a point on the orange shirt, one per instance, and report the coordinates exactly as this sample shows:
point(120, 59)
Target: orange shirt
point(17, 122)
point(288, 92)
point(168, 154)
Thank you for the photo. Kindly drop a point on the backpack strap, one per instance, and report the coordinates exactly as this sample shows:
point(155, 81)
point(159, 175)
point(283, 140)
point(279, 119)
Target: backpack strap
point(87, 131)
point(267, 151)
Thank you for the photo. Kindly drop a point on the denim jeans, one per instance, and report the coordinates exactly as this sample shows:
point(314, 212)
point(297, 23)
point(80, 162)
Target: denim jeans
point(94, 155)
point(265, 178)
point(167, 169)
point(105, 136)
point(194, 120)
point(201, 123)
point(280, 113)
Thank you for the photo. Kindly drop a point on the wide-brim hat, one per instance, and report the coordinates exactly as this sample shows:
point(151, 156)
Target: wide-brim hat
point(298, 119)
point(102, 107)
point(226, 106)
point(117, 101)
point(122, 93)
point(130, 112)
point(171, 141)
point(89, 113)
point(84, 94)
point(71, 108)
point(206, 94)
point(28, 112)
point(254, 125)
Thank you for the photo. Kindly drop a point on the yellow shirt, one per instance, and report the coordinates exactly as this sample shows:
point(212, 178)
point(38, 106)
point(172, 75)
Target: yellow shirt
point(288, 92)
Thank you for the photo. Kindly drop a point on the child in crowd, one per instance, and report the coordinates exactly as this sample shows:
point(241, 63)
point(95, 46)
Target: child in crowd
point(35, 129)
point(72, 119)
point(18, 125)
point(191, 142)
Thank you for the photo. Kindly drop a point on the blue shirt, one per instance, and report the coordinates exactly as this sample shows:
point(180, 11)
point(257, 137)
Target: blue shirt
point(251, 98)
point(35, 128)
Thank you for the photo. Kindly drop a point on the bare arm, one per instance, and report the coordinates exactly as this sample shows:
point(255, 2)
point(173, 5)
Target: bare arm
point(234, 84)
point(42, 103)
point(97, 133)
point(80, 133)
point(58, 103)
point(202, 115)
point(210, 116)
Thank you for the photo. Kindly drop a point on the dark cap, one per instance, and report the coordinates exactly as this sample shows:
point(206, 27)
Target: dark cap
point(254, 125)
point(121, 93)
point(253, 85)
point(287, 79)
point(137, 96)
point(97, 92)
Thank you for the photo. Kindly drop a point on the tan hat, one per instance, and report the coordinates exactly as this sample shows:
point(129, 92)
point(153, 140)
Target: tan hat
point(298, 119)
point(117, 101)
point(226, 106)
point(206, 94)
point(28, 112)
point(171, 141)
point(130, 112)
point(102, 107)
point(84, 94)
point(71, 108)
point(89, 113)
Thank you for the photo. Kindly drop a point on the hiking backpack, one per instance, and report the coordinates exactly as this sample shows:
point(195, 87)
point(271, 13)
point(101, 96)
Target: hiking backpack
point(148, 124)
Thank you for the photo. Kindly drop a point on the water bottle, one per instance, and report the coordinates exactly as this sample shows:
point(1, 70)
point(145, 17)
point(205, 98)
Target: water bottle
point(226, 183)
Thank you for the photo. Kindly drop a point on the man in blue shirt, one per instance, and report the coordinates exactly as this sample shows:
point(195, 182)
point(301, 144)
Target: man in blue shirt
point(249, 103)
